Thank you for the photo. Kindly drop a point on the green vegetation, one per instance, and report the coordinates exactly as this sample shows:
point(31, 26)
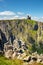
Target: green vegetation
point(37, 48)
point(4, 61)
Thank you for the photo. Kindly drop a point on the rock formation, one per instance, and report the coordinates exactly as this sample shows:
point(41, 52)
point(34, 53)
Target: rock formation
point(20, 38)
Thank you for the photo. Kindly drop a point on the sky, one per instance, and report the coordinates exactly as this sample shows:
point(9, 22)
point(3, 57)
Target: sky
point(12, 9)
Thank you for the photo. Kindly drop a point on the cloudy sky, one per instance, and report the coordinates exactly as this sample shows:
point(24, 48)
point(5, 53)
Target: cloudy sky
point(12, 9)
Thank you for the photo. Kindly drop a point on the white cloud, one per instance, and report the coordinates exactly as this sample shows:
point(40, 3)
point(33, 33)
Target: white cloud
point(23, 17)
point(18, 17)
point(7, 13)
point(41, 19)
point(35, 18)
point(15, 17)
point(20, 13)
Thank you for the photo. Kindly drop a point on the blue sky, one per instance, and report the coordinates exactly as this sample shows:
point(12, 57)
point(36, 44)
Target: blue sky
point(21, 8)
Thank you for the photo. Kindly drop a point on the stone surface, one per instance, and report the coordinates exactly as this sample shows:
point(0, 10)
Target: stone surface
point(39, 60)
point(8, 54)
point(31, 62)
point(14, 55)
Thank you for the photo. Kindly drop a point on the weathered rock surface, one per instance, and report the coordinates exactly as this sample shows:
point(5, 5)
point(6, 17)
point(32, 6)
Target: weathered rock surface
point(8, 54)
point(17, 38)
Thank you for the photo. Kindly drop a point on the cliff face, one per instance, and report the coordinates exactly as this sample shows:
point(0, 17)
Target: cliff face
point(24, 30)
point(16, 27)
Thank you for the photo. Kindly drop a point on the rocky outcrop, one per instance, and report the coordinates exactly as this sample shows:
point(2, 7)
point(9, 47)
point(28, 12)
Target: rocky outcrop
point(8, 54)
point(17, 49)
point(34, 58)
point(17, 37)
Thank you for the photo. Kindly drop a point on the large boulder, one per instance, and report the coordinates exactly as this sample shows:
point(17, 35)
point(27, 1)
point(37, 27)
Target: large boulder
point(41, 56)
point(27, 59)
point(39, 60)
point(34, 58)
point(21, 56)
point(7, 46)
point(42, 62)
point(15, 44)
point(8, 54)
point(36, 55)
point(14, 55)
point(8, 50)
point(31, 62)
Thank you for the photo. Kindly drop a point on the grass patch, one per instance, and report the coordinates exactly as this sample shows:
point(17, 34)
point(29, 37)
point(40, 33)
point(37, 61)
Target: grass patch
point(4, 61)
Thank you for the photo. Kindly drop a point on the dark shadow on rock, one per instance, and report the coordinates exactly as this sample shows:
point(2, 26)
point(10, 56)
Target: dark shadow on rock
point(29, 59)
point(19, 44)
point(1, 45)
point(35, 27)
point(3, 37)
point(11, 37)
point(21, 51)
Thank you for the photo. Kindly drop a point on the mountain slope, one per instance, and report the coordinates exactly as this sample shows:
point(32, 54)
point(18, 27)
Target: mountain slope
point(24, 30)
